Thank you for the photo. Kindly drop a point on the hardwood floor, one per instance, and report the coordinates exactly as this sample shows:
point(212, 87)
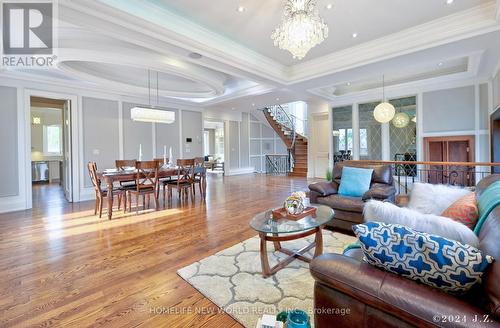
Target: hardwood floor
point(62, 266)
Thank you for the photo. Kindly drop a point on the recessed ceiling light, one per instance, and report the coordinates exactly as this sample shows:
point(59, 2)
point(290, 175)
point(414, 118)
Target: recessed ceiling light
point(195, 55)
point(440, 64)
point(355, 35)
point(329, 6)
point(449, 2)
point(278, 99)
point(241, 9)
point(348, 84)
point(233, 108)
point(253, 104)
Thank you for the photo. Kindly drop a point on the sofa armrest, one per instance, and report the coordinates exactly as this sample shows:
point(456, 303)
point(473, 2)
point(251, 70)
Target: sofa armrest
point(380, 191)
point(323, 188)
point(415, 303)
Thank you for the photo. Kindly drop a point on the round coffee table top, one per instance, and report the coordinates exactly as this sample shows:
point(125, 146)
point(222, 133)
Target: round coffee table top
point(264, 222)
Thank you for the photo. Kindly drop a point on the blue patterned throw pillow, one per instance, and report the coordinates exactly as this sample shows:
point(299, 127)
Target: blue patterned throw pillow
point(429, 259)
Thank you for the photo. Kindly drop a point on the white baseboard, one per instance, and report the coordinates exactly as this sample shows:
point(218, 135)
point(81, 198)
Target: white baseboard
point(12, 204)
point(87, 194)
point(244, 170)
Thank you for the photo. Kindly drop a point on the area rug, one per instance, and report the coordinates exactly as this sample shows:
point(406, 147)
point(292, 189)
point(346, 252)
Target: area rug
point(232, 278)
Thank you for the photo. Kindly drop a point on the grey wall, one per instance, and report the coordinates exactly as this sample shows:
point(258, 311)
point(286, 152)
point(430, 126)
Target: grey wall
point(262, 141)
point(484, 115)
point(135, 134)
point(8, 142)
point(192, 127)
point(234, 144)
point(245, 140)
point(449, 110)
point(496, 90)
point(168, 135)
point(101, 141)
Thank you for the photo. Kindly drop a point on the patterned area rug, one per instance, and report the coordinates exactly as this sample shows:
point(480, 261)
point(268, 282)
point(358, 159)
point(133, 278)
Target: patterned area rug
point(232, 278)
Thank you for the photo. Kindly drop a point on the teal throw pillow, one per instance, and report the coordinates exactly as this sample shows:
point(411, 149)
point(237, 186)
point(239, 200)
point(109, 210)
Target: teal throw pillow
point(355, 181)
point(489, 199)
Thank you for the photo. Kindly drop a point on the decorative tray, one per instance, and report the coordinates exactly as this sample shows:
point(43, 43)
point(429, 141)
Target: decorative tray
point(281, 213)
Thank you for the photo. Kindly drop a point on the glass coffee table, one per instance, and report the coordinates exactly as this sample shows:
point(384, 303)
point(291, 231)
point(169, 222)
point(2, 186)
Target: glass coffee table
point(278, 230)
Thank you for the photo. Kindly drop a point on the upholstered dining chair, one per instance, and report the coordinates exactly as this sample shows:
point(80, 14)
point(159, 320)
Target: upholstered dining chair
point(200, 175)
point(184, 181)
point(100, 194)
point(146, 184)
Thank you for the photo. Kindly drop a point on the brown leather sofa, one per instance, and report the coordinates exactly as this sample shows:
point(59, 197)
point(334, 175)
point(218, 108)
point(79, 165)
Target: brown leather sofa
point(377, 298)
point(349, 210)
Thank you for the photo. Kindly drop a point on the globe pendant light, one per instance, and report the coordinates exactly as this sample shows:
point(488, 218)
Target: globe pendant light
point(384, 112)
point(401, 120)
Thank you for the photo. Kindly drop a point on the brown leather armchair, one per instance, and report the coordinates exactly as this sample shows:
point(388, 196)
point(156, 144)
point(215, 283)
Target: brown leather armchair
point(349, 210)
point(377, 298)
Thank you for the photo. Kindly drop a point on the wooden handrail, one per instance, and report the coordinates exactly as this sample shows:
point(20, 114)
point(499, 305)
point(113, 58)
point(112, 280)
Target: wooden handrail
point(424, 163)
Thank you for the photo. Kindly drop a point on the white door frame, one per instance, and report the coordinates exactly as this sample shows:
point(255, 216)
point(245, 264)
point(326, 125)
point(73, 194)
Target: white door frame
point(75, 140)
point(314, 143)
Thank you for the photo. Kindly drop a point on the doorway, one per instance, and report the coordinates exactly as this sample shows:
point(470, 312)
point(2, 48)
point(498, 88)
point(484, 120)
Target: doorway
point(51, 160)
point(450, 149)
point(321, 150)
point(213, 146)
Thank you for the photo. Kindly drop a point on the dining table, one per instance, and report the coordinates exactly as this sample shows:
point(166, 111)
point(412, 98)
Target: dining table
point(112, 176)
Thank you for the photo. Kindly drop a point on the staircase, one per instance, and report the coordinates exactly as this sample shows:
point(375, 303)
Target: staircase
point(284, 125)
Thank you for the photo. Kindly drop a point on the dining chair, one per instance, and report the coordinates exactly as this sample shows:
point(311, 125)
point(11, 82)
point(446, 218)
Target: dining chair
point(100, 194)
point(146, 183)
point(122, 164)
point(184, 181)
point(200, 175)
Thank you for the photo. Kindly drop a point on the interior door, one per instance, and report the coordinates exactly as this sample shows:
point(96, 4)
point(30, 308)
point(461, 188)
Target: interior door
point(67, 167)
point(450, 149)
point(321, 145)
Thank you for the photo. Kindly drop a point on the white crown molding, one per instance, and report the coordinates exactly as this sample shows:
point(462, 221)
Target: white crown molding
point(152, 20)
point(250, 91)
point(464, 24)
point(473, 64)
point(409, 89)
point(498, 11)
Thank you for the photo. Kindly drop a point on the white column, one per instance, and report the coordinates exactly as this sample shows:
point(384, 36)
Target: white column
point(420, 127)
point(386, 142)
point(355, 131)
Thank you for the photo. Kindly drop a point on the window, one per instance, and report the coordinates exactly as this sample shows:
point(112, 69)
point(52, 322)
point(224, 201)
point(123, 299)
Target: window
point(363, 142)
point(52, 139)
point(345, 139)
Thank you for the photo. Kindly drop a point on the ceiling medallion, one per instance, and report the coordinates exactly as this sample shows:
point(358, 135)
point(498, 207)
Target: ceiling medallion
point(301, 28)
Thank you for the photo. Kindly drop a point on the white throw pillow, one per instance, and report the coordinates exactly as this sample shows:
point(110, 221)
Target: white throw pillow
point(427, 198)
point(378, 211)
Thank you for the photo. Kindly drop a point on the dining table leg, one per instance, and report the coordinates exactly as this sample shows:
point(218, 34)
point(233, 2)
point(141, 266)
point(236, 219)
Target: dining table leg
point(109, 184)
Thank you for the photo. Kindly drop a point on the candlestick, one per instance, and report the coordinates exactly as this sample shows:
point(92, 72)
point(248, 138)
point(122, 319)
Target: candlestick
point(164, 154)
point(140, 152)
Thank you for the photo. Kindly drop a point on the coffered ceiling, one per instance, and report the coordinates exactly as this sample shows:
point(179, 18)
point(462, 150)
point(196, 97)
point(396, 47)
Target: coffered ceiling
point(207, 54)
point(368, 19)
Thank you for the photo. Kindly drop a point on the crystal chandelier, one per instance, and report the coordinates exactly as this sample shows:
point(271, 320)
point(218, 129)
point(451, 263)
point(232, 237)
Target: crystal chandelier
point(301, 28)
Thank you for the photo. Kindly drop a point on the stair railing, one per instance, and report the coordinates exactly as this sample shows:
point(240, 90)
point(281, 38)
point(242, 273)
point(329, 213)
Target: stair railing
point(277, 164)
point(282, 117)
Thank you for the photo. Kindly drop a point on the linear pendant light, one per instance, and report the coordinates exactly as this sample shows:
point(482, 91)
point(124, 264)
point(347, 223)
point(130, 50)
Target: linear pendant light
point(151, 114)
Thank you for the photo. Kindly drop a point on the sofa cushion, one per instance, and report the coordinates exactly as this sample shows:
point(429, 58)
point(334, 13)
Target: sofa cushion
point(464, 211)
point(434, 199)
point(487, 202)
point(437, 225)
point(345, 203)
point(355, 181)
point(429, 259)
point(381, 173)
point(324, 188)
